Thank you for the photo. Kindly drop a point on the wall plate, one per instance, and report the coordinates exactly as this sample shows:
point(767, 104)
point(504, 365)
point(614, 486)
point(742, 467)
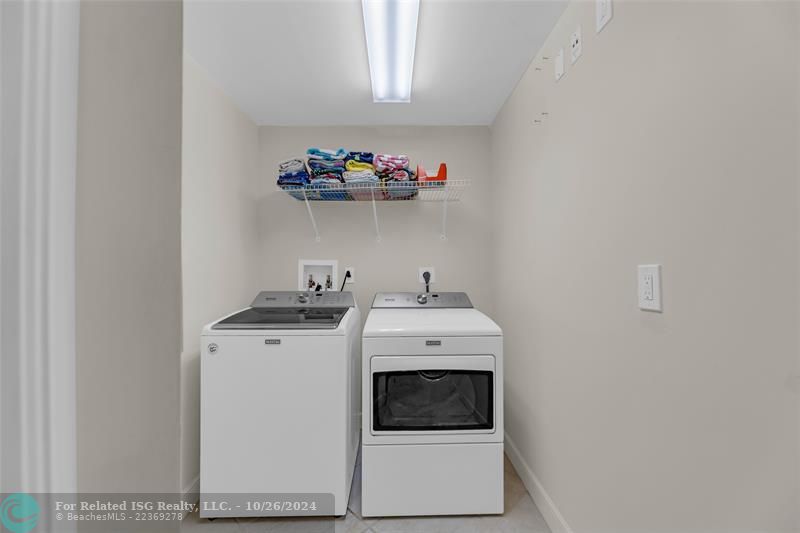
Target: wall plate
point(558, 64)
point(576, 45)
point(649, 281)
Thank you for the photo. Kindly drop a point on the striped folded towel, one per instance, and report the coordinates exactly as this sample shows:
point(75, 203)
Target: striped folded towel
point(326, 153)
point(359, 175)
point(291, 166)
point(385, 163)
point(336, 165)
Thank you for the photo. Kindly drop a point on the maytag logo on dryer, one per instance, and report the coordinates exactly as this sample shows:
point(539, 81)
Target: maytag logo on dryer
point(272, 341)
point(433, 343)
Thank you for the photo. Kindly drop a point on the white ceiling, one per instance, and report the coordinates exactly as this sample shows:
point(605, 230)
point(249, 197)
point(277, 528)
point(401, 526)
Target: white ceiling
point(305, 62)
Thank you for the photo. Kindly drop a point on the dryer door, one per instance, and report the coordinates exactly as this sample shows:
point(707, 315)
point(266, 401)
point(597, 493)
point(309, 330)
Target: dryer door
point(433, 395)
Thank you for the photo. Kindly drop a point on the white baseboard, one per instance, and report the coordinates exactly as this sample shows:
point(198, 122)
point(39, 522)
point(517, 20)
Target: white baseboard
point(540, 497)
point(191, 492)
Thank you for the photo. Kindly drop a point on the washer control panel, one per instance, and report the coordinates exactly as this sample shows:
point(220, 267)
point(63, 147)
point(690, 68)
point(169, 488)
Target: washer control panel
point(413, 300)
point(304, 299)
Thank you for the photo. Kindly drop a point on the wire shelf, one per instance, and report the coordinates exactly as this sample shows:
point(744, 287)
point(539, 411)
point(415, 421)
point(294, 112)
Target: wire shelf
point(429, 191)
point(443, 192)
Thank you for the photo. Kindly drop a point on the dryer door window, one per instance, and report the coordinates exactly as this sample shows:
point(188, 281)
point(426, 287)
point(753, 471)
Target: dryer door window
point(433, 400)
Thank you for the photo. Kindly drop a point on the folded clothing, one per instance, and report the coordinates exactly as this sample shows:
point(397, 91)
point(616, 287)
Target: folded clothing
point(291, 166)
point(336, 165)
point(385, 163)
point(365, 157)
point(326, 153)
point(354, 166)
point(294, 178)
point(362, 176)
point(293, 172)
point(400, 175)
point(327, 177)
point(325, 180)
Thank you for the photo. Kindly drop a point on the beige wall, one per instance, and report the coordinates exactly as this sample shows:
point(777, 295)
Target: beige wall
point(410, 231)
point(128, 286)
point(672, 140)
point(221, 247)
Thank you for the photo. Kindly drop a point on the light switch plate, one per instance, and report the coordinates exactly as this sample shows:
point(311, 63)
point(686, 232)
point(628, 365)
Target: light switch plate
point(352, 278)
point(576, 45)
point(558, 64)
point(603, 13)
point(422, 270)
point(650, 287)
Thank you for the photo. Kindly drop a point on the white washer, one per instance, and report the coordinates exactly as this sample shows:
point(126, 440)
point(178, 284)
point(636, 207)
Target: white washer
point(432, 430)
point(280, 401)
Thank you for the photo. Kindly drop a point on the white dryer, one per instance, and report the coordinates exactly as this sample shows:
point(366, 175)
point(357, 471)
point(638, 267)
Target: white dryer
point(280, 405)
point(432, 427)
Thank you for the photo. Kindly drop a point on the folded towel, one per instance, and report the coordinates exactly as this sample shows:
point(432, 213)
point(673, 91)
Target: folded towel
point(328, 176)
point(400, 175)
point(294, 178)
point(385, 163)
point(325, 180)
point(291, 165)
point(325, 164)
point(326, 153)
point(359, 175)
point(366, 157)
point(354, 165)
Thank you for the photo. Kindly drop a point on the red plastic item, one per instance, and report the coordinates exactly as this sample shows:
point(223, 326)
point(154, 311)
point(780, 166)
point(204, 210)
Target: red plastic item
point(439, 176)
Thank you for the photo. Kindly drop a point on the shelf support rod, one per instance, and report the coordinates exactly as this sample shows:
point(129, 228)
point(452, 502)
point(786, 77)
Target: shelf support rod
point(444, 218)
point(311, 215)
point(375, 215)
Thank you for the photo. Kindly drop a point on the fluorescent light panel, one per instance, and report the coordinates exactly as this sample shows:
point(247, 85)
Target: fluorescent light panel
point(391, 29)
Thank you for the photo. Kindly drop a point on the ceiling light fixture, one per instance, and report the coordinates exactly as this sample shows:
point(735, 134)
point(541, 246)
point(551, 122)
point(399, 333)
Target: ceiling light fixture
point(391, 30)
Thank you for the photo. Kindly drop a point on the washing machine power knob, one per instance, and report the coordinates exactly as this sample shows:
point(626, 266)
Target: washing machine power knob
point(422, 298)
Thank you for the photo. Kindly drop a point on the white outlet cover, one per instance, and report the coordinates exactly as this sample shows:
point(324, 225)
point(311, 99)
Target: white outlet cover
point(604, 10)
point(422, 270)
point(576, 45)
point(649, 281)
point(558, 64)
point(352, 278)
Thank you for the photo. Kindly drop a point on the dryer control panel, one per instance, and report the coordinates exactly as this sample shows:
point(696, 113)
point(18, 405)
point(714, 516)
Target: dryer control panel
point(413, 300)
point(291, 299)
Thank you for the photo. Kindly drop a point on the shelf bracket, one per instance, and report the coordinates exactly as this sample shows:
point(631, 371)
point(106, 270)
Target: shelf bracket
point(444, 219)
point(375, 216)
point(311, 215)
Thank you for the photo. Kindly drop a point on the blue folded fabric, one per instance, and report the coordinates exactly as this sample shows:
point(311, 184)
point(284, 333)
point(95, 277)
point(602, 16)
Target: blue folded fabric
point(325, 153)
point(294, 178)
point(320, 166)
point(364, 157)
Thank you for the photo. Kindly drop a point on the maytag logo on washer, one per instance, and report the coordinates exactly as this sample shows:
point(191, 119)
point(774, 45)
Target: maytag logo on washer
point(433, 343)
point(272, 341)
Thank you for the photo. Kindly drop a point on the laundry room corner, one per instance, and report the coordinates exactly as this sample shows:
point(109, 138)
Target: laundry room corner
point(220, 239)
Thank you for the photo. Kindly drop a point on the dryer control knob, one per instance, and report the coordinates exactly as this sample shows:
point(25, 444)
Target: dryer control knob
point(302, 298)
point(422, 298)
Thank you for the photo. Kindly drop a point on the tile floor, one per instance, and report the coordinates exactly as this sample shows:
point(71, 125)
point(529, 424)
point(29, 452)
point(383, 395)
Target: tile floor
point(521, 515)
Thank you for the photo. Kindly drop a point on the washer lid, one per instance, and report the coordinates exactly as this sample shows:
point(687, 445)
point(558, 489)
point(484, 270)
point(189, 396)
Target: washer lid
point(284, 318)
